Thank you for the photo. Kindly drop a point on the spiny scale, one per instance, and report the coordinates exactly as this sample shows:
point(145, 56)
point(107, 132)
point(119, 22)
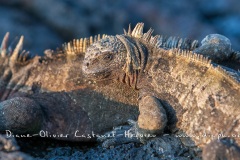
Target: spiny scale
point(17, 50)
point(147, 36)
point(138, 30)
point(192, 56)
point(23, 56)
point(129, 29)
point(17, 55)
point(160, 41)
point(4, 45)
point(78, 46)
point(154, 40)
point(176, 42)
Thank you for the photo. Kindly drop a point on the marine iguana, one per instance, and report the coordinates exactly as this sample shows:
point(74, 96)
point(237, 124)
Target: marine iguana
point(177, 88)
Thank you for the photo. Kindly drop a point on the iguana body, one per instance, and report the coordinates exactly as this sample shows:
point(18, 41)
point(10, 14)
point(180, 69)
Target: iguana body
point(177, 89)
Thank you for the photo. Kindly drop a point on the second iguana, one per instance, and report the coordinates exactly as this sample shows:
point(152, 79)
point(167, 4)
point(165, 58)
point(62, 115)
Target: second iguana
point(50, 94)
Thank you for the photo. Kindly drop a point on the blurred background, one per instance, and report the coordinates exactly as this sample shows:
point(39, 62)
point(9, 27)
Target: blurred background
point(46, 24)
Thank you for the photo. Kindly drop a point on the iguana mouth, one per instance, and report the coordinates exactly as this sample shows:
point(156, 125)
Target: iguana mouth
point(95, 75)
point(102, 75)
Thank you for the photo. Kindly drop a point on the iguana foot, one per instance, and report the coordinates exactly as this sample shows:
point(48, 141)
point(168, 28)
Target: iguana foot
point(224, 148)
point(21, 115)
point(123, 134)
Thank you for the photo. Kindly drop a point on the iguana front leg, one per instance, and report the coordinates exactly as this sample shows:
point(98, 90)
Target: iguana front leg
point(20, 115)
point(152, 118)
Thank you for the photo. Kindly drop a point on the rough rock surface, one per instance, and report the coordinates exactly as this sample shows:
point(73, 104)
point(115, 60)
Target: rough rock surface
point(166, 147)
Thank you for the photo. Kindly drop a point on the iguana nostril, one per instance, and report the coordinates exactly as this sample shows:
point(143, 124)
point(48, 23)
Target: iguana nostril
point(87, 64)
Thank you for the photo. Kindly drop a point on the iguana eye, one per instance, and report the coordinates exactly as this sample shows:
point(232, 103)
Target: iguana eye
point(108, 57)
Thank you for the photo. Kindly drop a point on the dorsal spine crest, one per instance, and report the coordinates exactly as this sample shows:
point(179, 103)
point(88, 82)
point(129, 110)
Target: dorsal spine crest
point(17, 55)
point(178, 46)
point(201, 59)
point(78, 46)
point(160, 41)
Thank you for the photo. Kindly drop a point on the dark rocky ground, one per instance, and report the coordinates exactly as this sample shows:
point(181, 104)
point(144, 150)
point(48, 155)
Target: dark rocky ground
point(49, 23)
point(166, 147)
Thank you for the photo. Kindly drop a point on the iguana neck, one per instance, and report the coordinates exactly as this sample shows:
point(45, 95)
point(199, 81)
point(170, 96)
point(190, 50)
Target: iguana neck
point(136, 60)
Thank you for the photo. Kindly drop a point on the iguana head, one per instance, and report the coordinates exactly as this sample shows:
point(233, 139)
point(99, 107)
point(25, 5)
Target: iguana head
point(104, 58)
point(119, 57)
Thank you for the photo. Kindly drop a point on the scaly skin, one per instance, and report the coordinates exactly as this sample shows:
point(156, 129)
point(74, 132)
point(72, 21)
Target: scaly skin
point(177, 89)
